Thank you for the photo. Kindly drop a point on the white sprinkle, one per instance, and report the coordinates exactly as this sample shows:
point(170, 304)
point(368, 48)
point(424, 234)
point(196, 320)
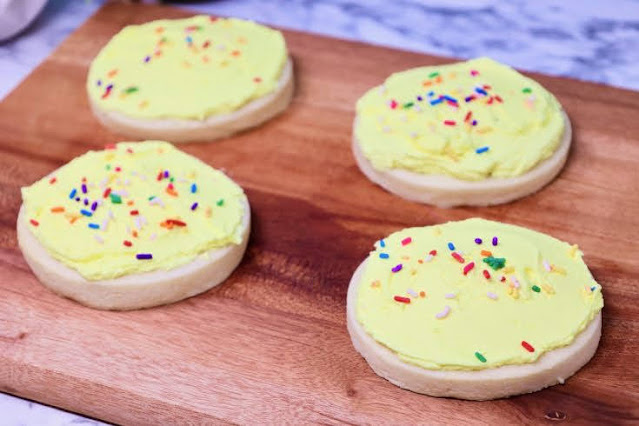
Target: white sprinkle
point(123, 193)
point(153, 236)
point(514, 280)
point(450, 295)
point(103, 183)
point(444, 313)
point(386, 129)
point(417, 108)
point(127, 182)
point(182, 180)
point(143, 220)
point(98, 238)
point(105, 222)
point(128, 229)
point(412, 292)
point(428, 258)
point(491, 295)
point(547, 266)
point(138, 222)
point(111, 215)
point(221, 47)
point(560, 380)
point(382, 89)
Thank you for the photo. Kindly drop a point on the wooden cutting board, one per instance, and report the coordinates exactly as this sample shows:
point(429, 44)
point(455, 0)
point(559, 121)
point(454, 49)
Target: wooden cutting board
point(270, 345)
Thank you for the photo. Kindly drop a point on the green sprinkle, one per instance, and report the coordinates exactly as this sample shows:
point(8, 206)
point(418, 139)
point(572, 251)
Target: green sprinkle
point(108, 167)
point(480, 357)
point(131, 89)
point(163, 39)
point(527, 90)
point(408, 104)
point(433, 74)
point(495, 262)
point(536, 289)
point(171, 179)
point(115, 199)
point(220, 202)
point(151, 197)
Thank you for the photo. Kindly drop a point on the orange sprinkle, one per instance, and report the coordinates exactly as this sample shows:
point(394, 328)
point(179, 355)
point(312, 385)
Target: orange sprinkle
point(34, 222)
point(130, 203)
point(420, 261)
point(112, 73)
point(135, 234)
point(207, 212)
point(257, 80)
point(205, 59)
point(236, 53)
point(57, 209)
point(427, 83)
point(171, 192)
point(422, 294)
point(53, 180)
point(486, 253)
point(159, 30)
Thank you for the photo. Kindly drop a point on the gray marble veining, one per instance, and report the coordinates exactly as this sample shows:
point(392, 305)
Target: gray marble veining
point(589, 40)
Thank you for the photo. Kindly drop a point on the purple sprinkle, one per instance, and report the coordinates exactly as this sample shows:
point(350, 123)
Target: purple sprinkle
point(147, 59)
point(495, 241)
point(99, 83)
point(109, 87)
point(144, 256)
point(477, 240)
point(397, 268)
point(166, 174)
point(194, 206)
point(419, 98)
point(77, 198)
point(474, 122)
point(86, 201)
point(94, 205)
point(84, 189)
point(469, 98)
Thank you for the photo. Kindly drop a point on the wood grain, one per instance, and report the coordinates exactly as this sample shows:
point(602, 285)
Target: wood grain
point(270, 345)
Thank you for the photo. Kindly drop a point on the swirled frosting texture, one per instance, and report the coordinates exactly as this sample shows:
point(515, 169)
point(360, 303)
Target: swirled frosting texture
point(132, 208)
point(186, 68)
point(470, 121)
point(475, 294)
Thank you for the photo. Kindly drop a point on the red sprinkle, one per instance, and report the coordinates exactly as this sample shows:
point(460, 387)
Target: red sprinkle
point(457, 257)
point(433, 253)
point(468, 115)
point(449, 122)
point(499, 99)
point(401, 299)
point(107, 92)
point(127, 243)
point(118, 169)
point(134, 212)
point(527, 346)
point(53, 180)
point(106, 192)
point(490, 101)
point(503, 279)
point(206, 44)
point(393, 104)
point(34, 222)
point(406, 241)
point(469, 268)
point(486, 274)
point(175, 222)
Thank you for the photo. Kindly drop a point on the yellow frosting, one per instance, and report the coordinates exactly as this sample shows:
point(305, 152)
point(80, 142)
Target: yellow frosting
point(138, 193)
point(471, 120)
point(545, 298)
point(186, 68)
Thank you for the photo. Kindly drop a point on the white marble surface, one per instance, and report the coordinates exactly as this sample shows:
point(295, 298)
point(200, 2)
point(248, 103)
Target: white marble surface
point(589, 40)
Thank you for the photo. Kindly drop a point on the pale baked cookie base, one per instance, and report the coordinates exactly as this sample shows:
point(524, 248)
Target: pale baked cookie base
point(214, 127)
point(135, 291)
point(445, 191)
point(551, 368)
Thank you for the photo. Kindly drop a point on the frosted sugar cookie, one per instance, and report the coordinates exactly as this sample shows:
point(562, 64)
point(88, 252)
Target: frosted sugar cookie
point(133, 226)
point(198, 79)
point(470, 133)
point(474, 310)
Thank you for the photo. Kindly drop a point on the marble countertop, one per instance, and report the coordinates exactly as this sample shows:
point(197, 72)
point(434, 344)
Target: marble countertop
point(584, 39)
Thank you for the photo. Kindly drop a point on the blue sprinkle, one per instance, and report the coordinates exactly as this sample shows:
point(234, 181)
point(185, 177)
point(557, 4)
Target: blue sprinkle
point(194, 206)
point(72, 194)
point(189, 39)
point(482, 149)
point(593, 288)
point(431, 94)
point(480, 91)
point(437, 101)
point(94, 226)
point(382, 243)
point(468, 98)
point(86, 213)
point(450, 98)
point(383, 256)
point(193, 189)
point(451, 246)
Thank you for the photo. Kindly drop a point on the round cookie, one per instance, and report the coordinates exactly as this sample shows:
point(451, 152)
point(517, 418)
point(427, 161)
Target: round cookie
point(474, 310)
point(470, 133)
point(194, 79)
point(133, 226)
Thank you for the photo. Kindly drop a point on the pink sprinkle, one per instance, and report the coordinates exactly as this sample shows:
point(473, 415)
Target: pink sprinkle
point(474, 73)
point(449, 122)
point(406, 241)
point(469, 268)
point(457, 257)
point(393, 104)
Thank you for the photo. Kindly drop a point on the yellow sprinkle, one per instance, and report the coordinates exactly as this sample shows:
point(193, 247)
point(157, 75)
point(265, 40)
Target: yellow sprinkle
point(558, 270)
point(375, 284)
point(508, 270)
point(143, 104)
point(548, 289)
point(573, 250)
